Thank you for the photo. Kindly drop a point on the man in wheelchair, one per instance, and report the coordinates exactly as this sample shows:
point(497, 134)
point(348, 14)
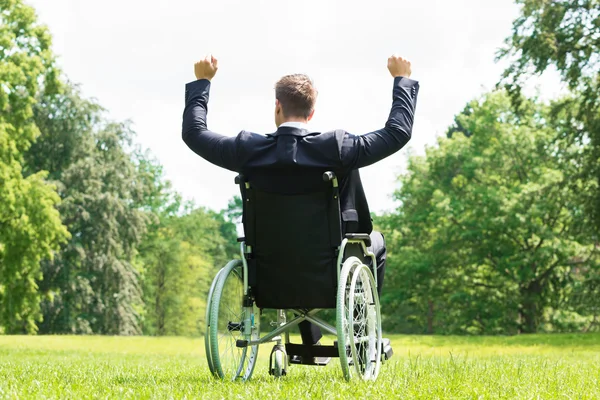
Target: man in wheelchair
point(309, 242)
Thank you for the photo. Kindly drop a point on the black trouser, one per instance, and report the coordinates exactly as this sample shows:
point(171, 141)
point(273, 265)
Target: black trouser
point(310, 333)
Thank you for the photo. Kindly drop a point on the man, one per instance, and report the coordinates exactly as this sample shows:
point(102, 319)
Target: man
point(301, 153)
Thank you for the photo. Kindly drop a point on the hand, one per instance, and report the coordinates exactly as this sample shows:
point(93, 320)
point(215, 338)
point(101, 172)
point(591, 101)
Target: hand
point(207, 68)
point(398, 66)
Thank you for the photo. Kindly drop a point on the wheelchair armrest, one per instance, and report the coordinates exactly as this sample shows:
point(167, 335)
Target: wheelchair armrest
point(359, 236)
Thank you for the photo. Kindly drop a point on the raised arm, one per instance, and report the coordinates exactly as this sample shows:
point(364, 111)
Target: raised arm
point(361, 150)
point(213, 147)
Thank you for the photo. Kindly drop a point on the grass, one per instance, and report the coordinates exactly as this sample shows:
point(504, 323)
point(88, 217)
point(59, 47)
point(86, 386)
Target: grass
point(426, 367)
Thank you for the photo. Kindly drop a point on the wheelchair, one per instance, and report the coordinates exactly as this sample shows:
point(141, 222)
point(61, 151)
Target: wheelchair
point(294, 260)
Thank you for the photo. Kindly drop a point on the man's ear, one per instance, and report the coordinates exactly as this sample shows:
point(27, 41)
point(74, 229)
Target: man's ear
point(310, 115)
point(277, 106)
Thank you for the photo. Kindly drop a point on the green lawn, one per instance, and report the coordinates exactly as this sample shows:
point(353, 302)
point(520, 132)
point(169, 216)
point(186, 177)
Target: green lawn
point(525, 367)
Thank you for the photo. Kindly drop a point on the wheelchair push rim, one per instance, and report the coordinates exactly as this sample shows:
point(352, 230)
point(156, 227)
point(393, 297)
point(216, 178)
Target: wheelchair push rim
point(228, 319)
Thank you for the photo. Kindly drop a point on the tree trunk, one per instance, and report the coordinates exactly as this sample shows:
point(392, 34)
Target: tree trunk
point(159, 308)
point(430, 310)
point(530, 309)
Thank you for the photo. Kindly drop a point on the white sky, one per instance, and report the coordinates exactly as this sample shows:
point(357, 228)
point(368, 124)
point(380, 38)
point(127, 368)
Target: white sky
point(135, 56)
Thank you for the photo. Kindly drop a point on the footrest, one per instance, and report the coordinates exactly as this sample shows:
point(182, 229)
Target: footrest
point(318, 361)
point(310, 355)
point(386, 349)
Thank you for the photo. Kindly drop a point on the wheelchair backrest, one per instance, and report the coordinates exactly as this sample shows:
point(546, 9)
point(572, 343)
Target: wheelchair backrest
point(294, 240)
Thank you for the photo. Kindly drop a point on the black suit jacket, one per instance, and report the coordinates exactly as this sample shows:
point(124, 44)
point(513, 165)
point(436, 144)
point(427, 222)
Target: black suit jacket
point(292, 160)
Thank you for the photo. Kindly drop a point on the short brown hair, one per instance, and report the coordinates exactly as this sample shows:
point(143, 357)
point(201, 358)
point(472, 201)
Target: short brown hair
point(296, 94)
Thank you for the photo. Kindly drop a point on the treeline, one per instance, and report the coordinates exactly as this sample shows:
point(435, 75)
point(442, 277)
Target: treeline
point(492, 236)
point(137, 260)
point(92, 237)
point(496, 231)
point(498, 226)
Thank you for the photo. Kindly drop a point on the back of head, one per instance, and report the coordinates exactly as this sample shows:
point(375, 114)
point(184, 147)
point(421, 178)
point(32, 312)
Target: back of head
point(296, 95)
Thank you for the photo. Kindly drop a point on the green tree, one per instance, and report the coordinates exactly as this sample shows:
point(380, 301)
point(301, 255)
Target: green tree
point(490, 233)
point(181, 257)
point(107, 186)
point(30, 226)
point(228, 219)
point(565, 35)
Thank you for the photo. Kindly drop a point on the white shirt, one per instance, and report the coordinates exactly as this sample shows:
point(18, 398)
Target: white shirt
point(294, 124)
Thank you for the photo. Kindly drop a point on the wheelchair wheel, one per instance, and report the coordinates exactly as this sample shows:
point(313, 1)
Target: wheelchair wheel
point(365, 343)
point(228, 318)
point(207, 346)
point(278, 361)
point(358, 321)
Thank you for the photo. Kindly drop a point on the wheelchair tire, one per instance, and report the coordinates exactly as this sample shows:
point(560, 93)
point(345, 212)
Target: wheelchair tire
point(278, 360)
point(358, 314)
point(365, 343)
point(342, 322)
point(207, 346)
point(227, 317)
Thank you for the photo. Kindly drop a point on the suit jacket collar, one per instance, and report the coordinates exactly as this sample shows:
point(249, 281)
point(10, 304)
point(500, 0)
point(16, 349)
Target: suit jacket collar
point(291, 131)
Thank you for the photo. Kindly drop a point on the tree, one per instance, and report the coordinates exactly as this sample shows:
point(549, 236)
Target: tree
point(135, 263)
point(30, 226)
point(181, 257)
point(107, 186)
point(229, 219)
point(490, 234)
point(564, 34)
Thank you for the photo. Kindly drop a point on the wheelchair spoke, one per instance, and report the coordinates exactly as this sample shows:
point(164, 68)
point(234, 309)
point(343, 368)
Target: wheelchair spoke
point(231, 355)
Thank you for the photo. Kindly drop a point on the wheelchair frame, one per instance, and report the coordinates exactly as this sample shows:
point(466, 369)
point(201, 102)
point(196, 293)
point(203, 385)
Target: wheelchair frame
point(304, 315)
point(349, 348)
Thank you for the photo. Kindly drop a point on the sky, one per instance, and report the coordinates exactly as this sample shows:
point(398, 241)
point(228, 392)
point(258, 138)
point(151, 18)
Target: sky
point(135, 57)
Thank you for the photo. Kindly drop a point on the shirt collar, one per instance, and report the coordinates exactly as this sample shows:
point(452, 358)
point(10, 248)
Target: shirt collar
point(294, 124)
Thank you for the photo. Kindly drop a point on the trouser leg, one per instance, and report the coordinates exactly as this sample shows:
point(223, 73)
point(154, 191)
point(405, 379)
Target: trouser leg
point(378, 248)
point(310, 333)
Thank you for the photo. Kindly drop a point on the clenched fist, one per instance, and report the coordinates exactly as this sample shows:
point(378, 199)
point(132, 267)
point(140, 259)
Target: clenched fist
point(207, 68)
point(398, 66)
